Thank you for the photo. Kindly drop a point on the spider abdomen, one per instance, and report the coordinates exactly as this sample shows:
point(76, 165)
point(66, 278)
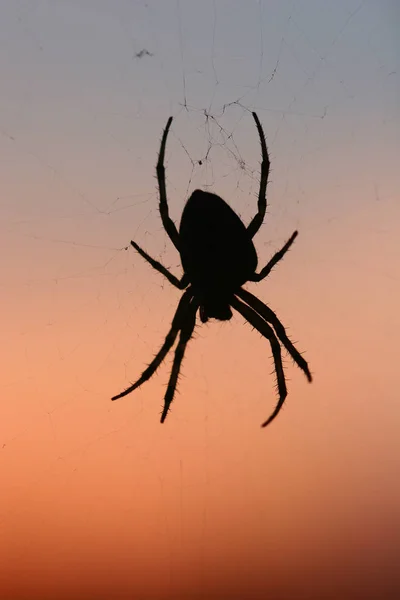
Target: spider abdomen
point(216, 251)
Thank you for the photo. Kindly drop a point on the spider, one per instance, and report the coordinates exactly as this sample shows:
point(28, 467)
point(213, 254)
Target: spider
point(218, 257)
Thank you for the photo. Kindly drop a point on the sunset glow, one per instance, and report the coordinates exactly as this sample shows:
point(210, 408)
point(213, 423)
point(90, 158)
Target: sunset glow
point(99, 500)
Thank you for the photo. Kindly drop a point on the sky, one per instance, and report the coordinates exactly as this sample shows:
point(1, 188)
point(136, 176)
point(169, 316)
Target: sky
point(98, 499)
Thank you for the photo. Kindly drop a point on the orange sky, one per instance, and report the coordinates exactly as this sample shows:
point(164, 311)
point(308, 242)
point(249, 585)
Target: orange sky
point(98, 499)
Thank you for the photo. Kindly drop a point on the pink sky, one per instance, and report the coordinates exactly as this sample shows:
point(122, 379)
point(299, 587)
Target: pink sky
point(98, 499)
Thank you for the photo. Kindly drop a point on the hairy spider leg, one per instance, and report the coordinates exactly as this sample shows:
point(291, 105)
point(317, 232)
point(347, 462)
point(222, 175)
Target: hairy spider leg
point(275, 259)
point(264, 311)
point(185, 335)
point(168, 223)
point(258, 322)
point(179, 283)
point(258, 219)
point(177, 323)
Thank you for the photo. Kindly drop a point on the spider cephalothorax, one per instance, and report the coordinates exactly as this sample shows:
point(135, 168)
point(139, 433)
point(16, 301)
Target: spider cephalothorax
point(218, 257)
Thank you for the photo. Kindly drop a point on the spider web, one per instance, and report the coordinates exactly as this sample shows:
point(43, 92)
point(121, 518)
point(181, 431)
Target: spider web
point(88, 88)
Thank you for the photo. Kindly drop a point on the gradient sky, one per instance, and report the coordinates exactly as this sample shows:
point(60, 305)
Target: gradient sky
point(98, 500)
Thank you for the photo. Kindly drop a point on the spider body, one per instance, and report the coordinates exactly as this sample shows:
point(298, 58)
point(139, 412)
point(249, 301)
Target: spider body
point(217, 254)
point(218, 257)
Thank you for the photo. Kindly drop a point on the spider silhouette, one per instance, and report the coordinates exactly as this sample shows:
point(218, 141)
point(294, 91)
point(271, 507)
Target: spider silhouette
point(218, 257)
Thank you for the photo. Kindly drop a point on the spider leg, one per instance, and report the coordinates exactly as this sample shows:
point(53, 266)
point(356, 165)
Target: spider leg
point(258, 219)
point(269, 315)
point(168, 223)
point(179, 283)
point(177, 324)
point(258, 322)
point(275, 259)
point(185, 335)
